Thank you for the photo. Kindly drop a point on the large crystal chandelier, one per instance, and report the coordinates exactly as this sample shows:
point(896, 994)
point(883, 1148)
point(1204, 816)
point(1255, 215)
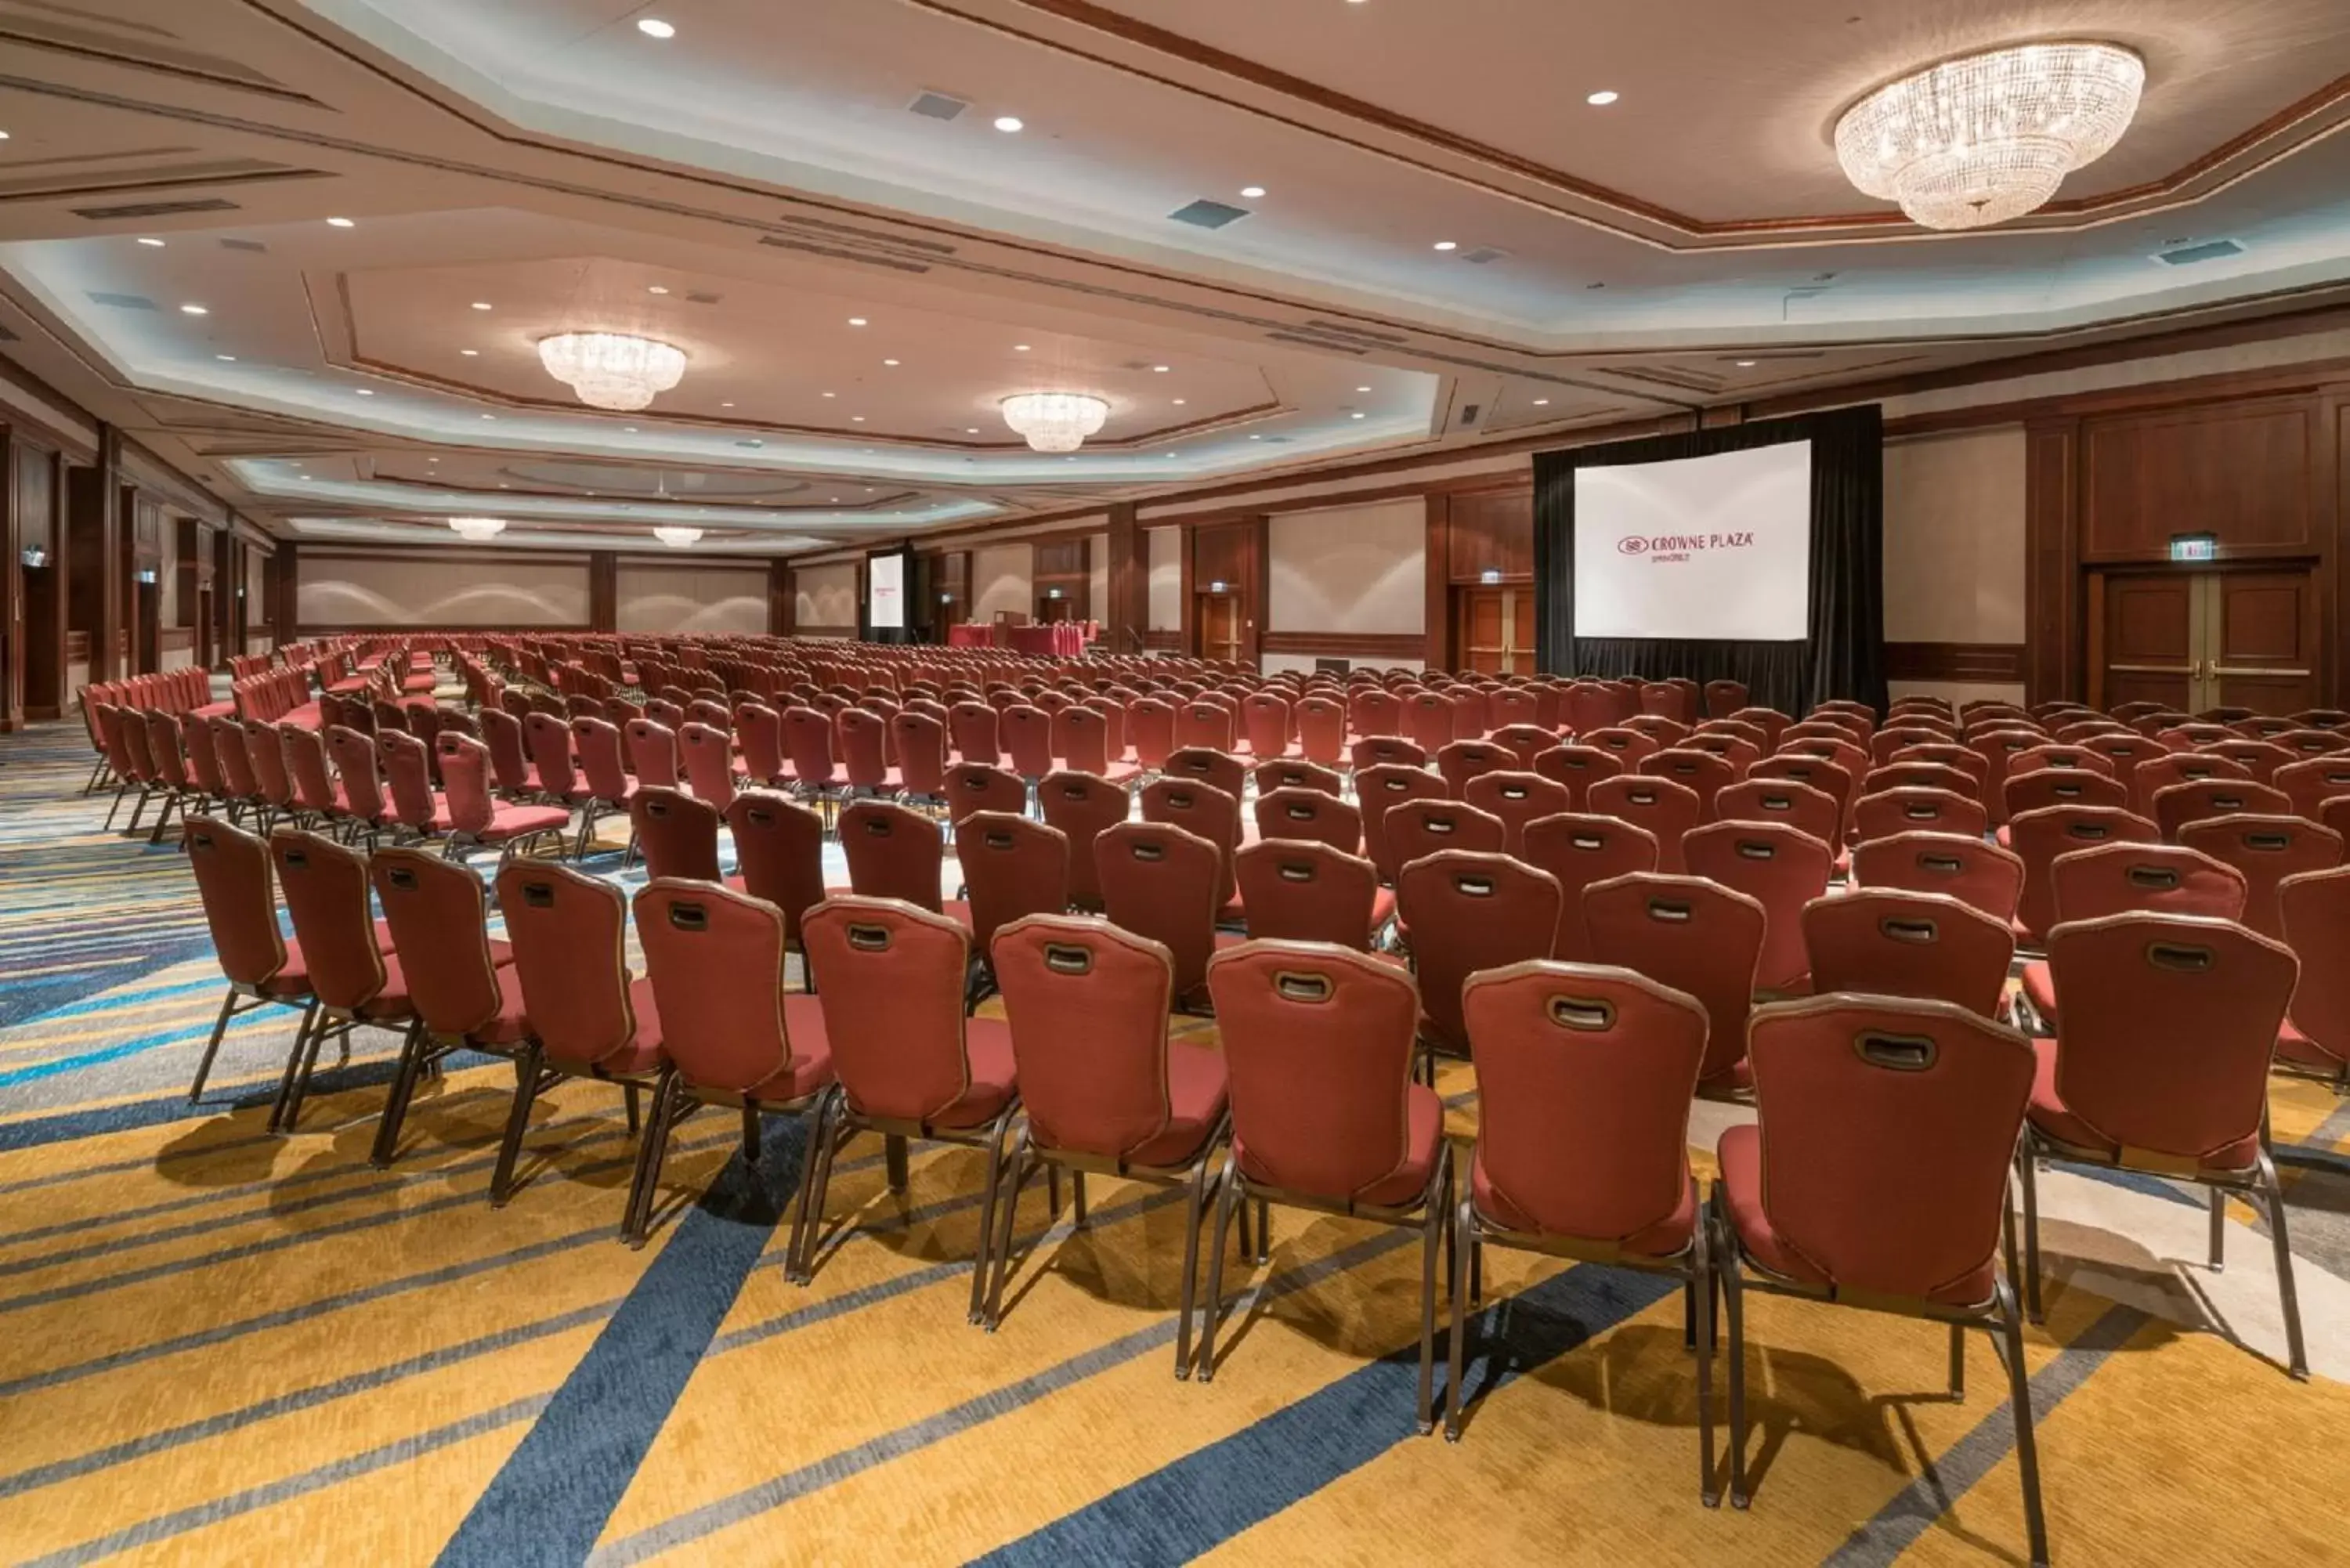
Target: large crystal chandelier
point(1981, 139)
point(478, 528)
point(678, 539)
point(1056, 421)
point(612, 370)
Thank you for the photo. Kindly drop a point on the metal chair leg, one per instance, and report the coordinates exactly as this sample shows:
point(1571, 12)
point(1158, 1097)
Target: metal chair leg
point(1456, 1337)
point(2027, 1447)
point(395, 1107)
point(979, 1265)
point(834, 1132)
point(1017, 1179)
point(1225, 1201)
point(527, 1086)
point(310, 1021)
point(211, 1047)
point(1194, 1200)
point(1708, 1492)
point(2272, 1199)
point(642, 1184)
point(818, 1132)
point(1733, 1308)
point(1958, 1363)
point(1435, 1231)
point(2026, 1167)
point(2218, 1229)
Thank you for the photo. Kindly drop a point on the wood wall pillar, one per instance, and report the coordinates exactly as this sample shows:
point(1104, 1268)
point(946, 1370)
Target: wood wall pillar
point(1126, 618)
point(603, 591)
point(782, 599)
point(95, 558)
point(1436, 568)
point(286, 613)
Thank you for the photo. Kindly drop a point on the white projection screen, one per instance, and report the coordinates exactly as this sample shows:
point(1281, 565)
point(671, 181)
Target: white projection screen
point(1707, 548)
point(885, 593)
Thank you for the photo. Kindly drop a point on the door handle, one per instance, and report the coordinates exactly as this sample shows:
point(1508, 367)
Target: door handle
point(2217, 669)
point(2189, 670)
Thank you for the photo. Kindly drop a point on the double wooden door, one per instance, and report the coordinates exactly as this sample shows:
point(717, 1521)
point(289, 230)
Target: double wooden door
point(1223, 627)
point(2198, 640)
point(1497, 630)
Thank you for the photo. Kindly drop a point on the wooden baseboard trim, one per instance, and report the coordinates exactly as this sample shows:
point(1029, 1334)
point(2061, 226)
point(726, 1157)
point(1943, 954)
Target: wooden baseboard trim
point(1385, 646)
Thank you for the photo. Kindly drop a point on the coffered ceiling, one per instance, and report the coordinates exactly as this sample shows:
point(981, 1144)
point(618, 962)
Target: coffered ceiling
point(754, 184)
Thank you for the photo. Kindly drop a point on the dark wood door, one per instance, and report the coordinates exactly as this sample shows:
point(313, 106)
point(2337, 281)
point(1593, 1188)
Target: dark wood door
point(1497, 630)
point(1220, 628)
point(2150, 640)
point(2264, 640)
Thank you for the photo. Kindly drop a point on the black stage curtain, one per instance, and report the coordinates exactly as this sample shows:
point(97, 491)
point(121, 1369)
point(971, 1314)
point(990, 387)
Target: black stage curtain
point(1845, 654)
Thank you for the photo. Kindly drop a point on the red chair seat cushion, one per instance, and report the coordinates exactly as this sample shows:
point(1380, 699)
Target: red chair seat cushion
point(294, 979)
point(1423, 1136)
point(215, 710)
point(2048, 1113)
point(987, 1045)
point(1664, 1238)
point(2040, 989)
point(809, 1069)
point(1196, 1096)
point(520, 821)
point(1740, 1155)
point(2299, 1049)
point(643, 1053)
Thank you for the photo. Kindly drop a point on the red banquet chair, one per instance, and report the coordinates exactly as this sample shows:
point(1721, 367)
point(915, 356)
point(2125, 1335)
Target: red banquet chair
point(1781, 868)
point(1211, 813)
point(1318, 1046)
point(677, 834)
point(2039, 837)
point(1670, 811)
point(1516, 798)
point(354, 974)
point(908, 1063)
point(1468, 912)
point(2160, 1067)
point(1915, 810)
point(1974, 871)
point(1296, 773)
point(2316, 1035)
point(896, 852)
point(1421, 828)
point(1107, 1091)
point(476, 821)
point(2266, 849)
point(779, 851)
point(1162, 883)
point(1014, 867)
point(1875, 1175)
point(2198, 800)
point(2132, 878)
point(1385, 751)
point(1694, 936)
point(1927, 945)
point(1578, 768)
point(983, 786)
point(464, 996)
point(1785, 802)
point(1583, 1082)
point(733, 1037)
point(1311, 892)
point(1578, 851)
point(589, 1016)
point(1307, 813)
point(262, 969)
point(1082, 808)
point(1381, 788)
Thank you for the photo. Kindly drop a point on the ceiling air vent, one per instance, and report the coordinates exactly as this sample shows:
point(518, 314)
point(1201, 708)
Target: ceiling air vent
point(121, 301)
point(155, 209)
point(2210, 250)
point(245, 245)
point(937, 106)
point(1206, 215)
point(1484, 256)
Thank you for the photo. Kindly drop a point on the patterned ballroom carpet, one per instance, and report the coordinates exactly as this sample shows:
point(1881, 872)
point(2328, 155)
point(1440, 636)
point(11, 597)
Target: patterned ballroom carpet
point(221, 1346)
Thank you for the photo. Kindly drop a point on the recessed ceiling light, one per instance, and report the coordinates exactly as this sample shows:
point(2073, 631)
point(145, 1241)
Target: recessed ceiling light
point(835, 499)
point(1020, 347)
point(1251, 191)
point(654, 28)
point(1362, 388)
point(725, 405)
point(226, 358)
point(857, 321)
point(150, 240)
point(194, 310)
point(856, 419)
point(1601, 99)
point(1160, 369)
point(489, 416)
point(1542, 403)
point(630, 429)
point(971, 430)
point(1448, 245)
point(1362, 416)
point(340, 223)
point(892, 363)
point(1257, 438)
point(827, 394)
point(1009, 123)
point(480, 305)
point(431, 460)
point(656, 288)
point(364, 391)
point(1179, 403)
point(1746, 364)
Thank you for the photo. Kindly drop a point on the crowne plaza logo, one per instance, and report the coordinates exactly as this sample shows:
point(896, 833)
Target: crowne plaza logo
point(1665, 548)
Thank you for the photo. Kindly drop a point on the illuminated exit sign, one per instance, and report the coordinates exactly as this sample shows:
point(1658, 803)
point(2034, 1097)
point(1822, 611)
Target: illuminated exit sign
point(2194, 546)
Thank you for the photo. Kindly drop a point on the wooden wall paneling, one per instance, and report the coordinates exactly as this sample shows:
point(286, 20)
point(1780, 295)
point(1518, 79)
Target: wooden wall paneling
point(783, 598)
point(1972, 663)
point(12, 638)
point(285, 615)
point(1127, 614)
point(1066, 565)
point(1436, 640)
point(2051, 567)
point(2333, 600)
point(1372, 647)
point(1491, 531)
point(96, 555)
point(41, 493)
point(2246, 471)
point(1260, 581)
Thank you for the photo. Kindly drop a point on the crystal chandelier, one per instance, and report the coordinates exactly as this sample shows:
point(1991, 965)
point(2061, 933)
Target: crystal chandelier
point(478, 528)
point(678, 539)
point(613, 369)
point(1056, 421)
point(1981, 139)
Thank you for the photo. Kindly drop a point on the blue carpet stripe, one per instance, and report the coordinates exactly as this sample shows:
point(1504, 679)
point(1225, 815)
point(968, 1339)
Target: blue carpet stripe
point(1187, 1507)
point(1928, 1500)
point(596, 1429)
